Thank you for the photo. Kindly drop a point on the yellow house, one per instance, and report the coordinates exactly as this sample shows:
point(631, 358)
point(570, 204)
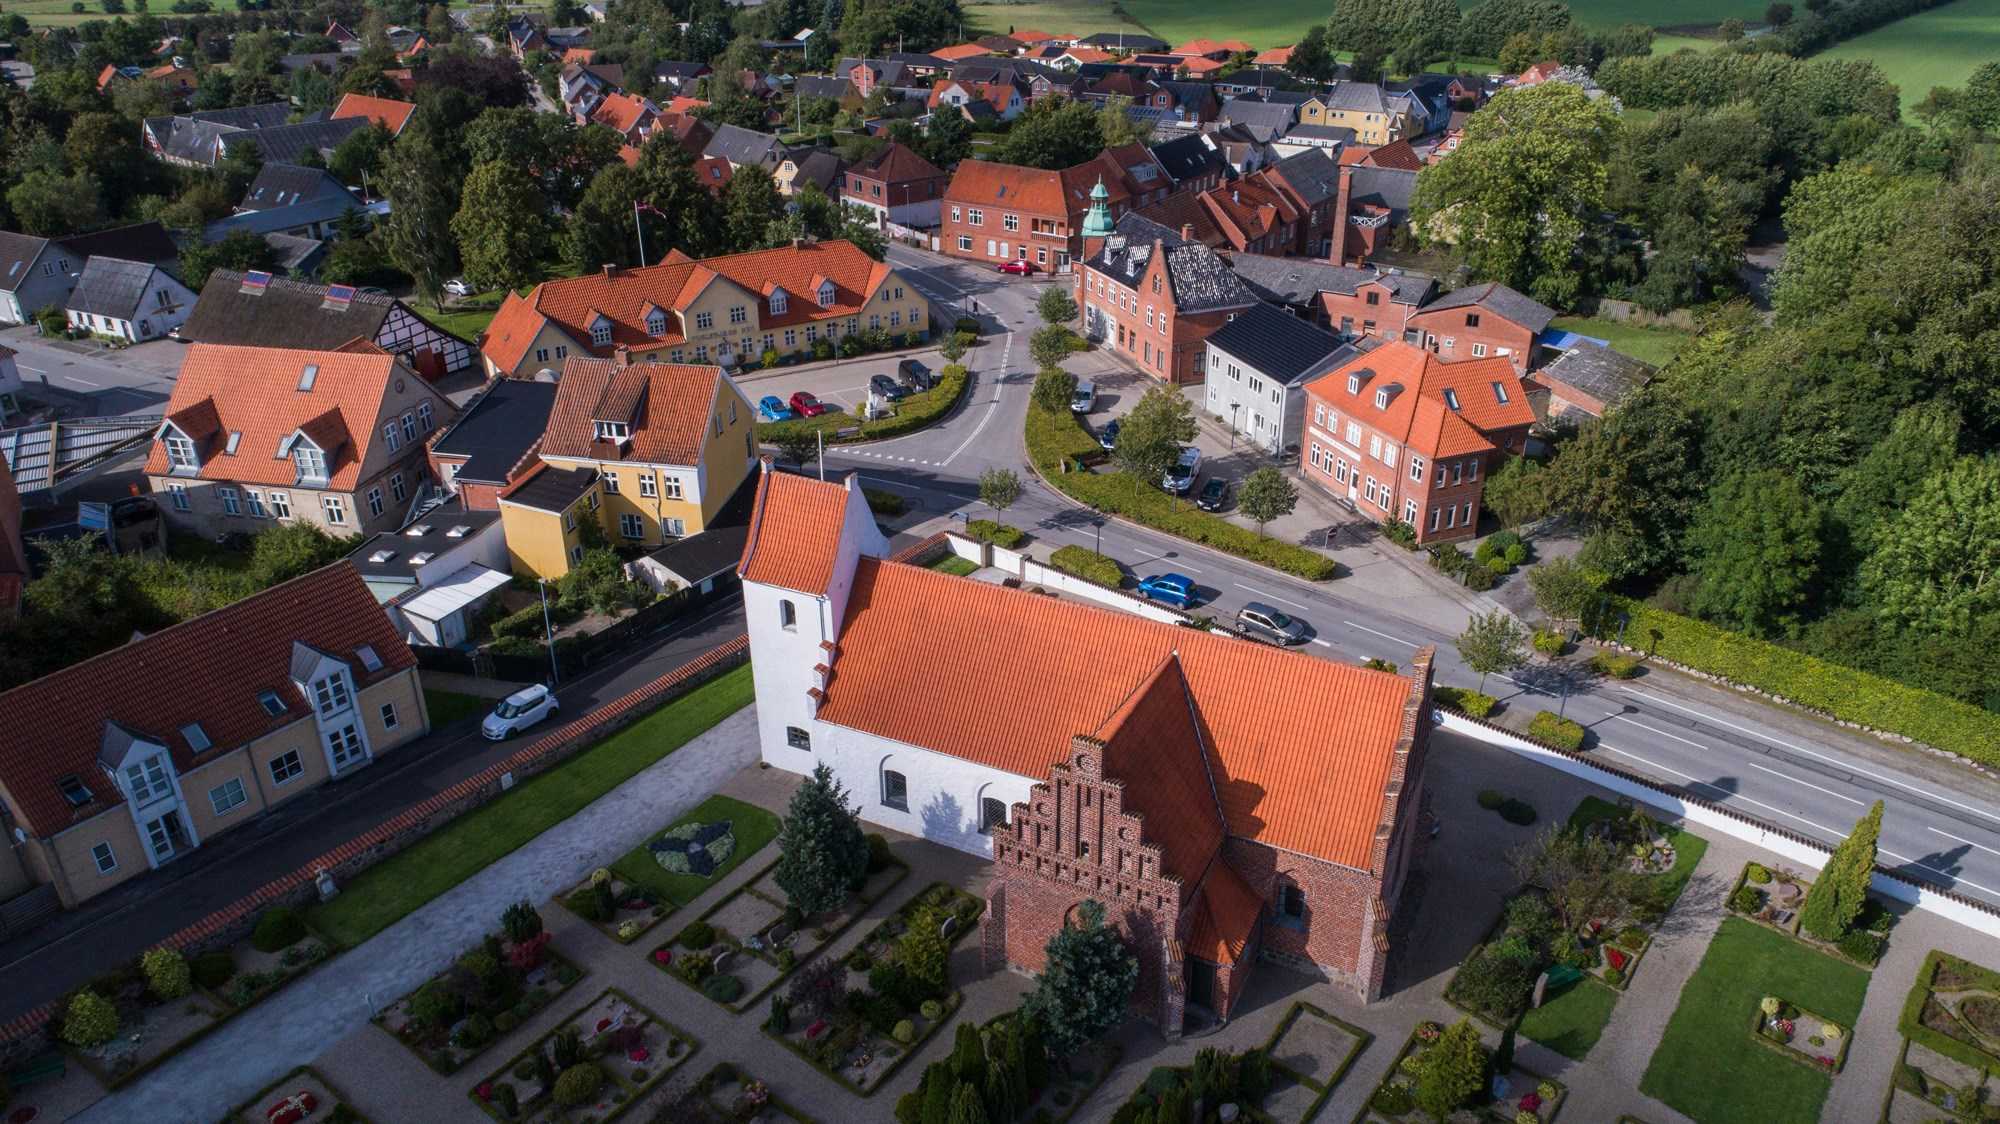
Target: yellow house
point(1376, 116)
point(648, 452)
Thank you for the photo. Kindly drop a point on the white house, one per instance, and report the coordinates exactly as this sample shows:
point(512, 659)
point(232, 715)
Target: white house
point(1257, 366)
point(10, 384)
point(433, 575)
point(132, 300)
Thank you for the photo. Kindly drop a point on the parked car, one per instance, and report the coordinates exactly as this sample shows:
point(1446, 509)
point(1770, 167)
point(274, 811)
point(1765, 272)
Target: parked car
point(889, 388)
point(1083, 399)
point(773, 408)
point(915, 375)
point(519, 711)
point(1107, 435)
point(1180, 478)
point(1214, 494)
point(1173, 589)
point(805, 405)
point(1022, 267)
point(1259, 621)
point(457, 287)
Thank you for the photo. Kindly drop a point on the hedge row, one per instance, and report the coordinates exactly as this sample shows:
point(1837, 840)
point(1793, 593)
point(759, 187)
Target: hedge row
point(1843, 692)
point(1003, 535)
point(1088, 565)
point(912, 413)
point(1054, 440)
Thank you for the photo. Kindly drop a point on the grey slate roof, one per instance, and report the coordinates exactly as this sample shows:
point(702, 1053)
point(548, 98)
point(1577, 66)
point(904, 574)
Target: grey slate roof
point(1604, 374)
point(1338, 133)
point(1201, 281)
point(1313, 174)
point(326, 208)
point(497, 428)
point(742, 146)
point(111, 287)
point(1500, 300)
point(676, 70)
point(17, 254)
point(286, 144)
point(193, 136)
point(822, 86)
point(296, 255)
point(283, 185)
point(139, 241)
point(1188, 157)
point(1366, 96)
point(1293, 98)
point(403, 546)
point(821, 167)
point(1390, 187)
point(1300, 280)
point(1264, 119)
point(1279, 345)
point(287, 314)
point(1124, 40)
point(553, 489)
point(1189, 93)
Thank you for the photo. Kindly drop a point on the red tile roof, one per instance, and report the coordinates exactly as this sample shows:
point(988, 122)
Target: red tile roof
point(1028, 37)
point(1225, 914)
point(1201, 66)
point(960, 51)
point(1276, 56)
point(898, 163)
point(1420, 413)
point(666, 404)
point(797, 549)
point(622, 113)
point(1395, 154)
point(985, 183)
point(208, 670)
point(386, 112)
point(1151, 744)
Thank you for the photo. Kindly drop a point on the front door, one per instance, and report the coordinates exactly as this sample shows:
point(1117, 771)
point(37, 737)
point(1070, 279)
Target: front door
point(1201, 984)
point(166, 837)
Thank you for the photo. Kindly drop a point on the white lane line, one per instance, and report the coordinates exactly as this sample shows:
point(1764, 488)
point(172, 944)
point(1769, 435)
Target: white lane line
point(1272, 596)
point(1726, 794)
point(1662, 733)
point(78, 381)
point(1386, 636)
point(1957, 880)
point(1814, 787)
point(1321, 643)
point(992, 407)
point(1967, 842)
point(1174, 562)
point(1821, 756)
point(36, 370)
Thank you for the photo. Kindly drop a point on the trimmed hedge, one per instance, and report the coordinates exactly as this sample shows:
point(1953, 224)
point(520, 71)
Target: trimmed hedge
point(885, 503)
point(1088, 565)
point(1910, 1023)
point(1546, 726)
point(1843, 692)
point(999, 534)
point(1465, 700)
point(1056, 440)
point(912, 413)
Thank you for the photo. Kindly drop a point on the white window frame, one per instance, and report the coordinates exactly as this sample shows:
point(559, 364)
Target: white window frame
point(178, 494)
point(218, 799)
point(281, 505)
point(389, 719)
point(336, 510)
point(105, 858)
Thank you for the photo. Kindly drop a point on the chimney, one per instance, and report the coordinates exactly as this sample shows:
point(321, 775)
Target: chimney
point(610, 270)
point(1337, 228)
point(1235, 196)
point(1187, 232)
point(621, 356)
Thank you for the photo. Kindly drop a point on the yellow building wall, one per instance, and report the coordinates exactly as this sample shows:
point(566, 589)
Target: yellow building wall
point(538, 546)
point(72, 868)
point(730, 454)
point(551, 339)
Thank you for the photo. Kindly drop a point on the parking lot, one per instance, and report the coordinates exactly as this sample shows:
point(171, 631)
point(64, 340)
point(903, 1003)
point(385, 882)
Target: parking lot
point(842, 385)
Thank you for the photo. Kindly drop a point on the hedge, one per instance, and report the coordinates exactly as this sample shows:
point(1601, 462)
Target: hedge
point(1088, 565)
point(999, 534)
point(1911, 1021)
point(1465, 700)
point(1562, 732)
point(1843, 692)
point(912, 413)
point(885, 503)
point(1056, 440)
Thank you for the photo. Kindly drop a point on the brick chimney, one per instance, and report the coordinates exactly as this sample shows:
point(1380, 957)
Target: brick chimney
point(1337, 229)
point(1187, 232)
point(610, 270)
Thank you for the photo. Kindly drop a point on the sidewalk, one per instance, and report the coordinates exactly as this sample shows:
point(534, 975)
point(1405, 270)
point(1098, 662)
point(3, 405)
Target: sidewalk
point(474, 685)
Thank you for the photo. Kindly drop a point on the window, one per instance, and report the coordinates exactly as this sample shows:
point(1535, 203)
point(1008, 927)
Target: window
point(178, 493)
point(392, 436)
point(1375, 446)
point(345, 745)
point(1389, 455)
point(330, 694)
point(895, 790)
point(965, 242)
point(1292, 903)
point(600, 333)
point(673, 526)
point(227, 796)
point(1472, 320)
point(611, 483)
point(798, 738)
point(1354, 434)
point(975, 216)
point(954, 213)
point(105, 860)
point(1410, 511)
point(541, 355)
point(1354, 384)
point(788, 615)
point(631, 526)
point(1437, 514)
point(281, 505)
point(826, 294)
point(672, 485)
point(1374, 297)
point(1479, 351)
point(1500, 393)
point(389, 720)
point(272, 704)
point(397, 488)
point(1417, 468)
point(424, 418)
point(180, 451)
point(229, 501)
point(311, 463)
point(647, 488)
point(1011, 222)
point(1447, 342)
point(1472, 469)
point(1382, 399)
point(374, 501)
point(410, 427)
point(704, 320)
point(256, 502)
point(147, 780)
point(992, 814)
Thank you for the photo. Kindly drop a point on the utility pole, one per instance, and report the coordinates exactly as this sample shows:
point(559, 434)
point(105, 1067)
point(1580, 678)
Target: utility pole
point(549, 631)
point(640, 230)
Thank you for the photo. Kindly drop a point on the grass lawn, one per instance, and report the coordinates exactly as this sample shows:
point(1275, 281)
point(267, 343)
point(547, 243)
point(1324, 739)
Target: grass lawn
point(450, 706)
point(1647, 344)
point(390, 890)
point(1688, 847)
point(1668, 44)
point(1573, 1021)
point(1707, 1066)
point(954, 565)
point(466, 318)
point(752, 826)
point(1940, 47)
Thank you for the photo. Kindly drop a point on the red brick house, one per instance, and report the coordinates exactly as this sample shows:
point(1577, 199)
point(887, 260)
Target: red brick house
point(898, 186)
point(1287, 208)
point(1154, 296)
point(1404, 435)
point(1003, 212)
point(1482, 320)
point(1363, 301)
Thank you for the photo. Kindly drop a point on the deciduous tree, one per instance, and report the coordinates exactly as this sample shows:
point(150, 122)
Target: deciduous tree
point(502, 228)
point(1055, 305)
point(421, 187)
point(1451, 1071)
point(1265, 495)
point(1564, 588)
point(1934, 567)
point(1056, 132)
point(999, 488)
point(1150, 438)
point(1492, 642)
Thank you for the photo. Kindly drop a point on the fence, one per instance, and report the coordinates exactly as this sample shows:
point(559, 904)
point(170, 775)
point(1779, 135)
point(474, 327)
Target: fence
point(575, 654)
point(1032, 573)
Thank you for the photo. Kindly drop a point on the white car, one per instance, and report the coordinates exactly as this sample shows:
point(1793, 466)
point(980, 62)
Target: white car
point(519, 711)
point(457, 287)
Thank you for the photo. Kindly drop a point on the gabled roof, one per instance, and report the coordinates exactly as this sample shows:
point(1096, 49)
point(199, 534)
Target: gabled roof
point(289, 144)
point(287, 314)
point(667, 405)
point(386, 112)
point(286, 185)
point(1299, 280)
point(621, 113)
point(795, 531)
point(1200, 281)
point(1123, 41)
point(821, 167)
point(1153, 745)
point(1436, 408)
point(1500, 300)
point(1387, 187)
point(897, 163)
point(961, 51)
point(497, 429)
point(17, 254)
point(1188, 157)
point(1606, 375)
point(983, 183)
point(742, 146)
point(1367, 97)
point(1395, 154)
point(111, 287)
point(1312, 176)
point(823, 86)
point(1276, 56)
point(139, 241)
point(680, 70)
point(209, 670)
point(1280, 346)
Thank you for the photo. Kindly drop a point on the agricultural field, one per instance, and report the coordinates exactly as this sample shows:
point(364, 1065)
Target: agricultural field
point(1941, 47)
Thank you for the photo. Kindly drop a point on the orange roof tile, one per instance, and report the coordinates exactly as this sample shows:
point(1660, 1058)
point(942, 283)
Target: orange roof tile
point(1436, 408)
point(621, 113)
point(1151, 745)
point(985, 183)
point(1028, 37)
point(666, 404)
point(578, 55)
point(1395, 154)
point(386, 112)
point(682, 106)
point(1276, 56)
point(1087, 54)
point(1225, 915)
point(1200, 66)
point(960, 51)
point(798, 549)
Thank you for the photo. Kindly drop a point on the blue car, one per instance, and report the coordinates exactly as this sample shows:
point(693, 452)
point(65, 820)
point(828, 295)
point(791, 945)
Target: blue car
point(773, 408)
point(1171, 589)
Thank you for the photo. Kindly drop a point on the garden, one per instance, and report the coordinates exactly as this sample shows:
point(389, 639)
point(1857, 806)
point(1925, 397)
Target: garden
point(592, 1066)
point(728, 1094)
point(1702, 1066)
point(489, 991)
point(1776, 899)
point(857, 1019)
point(1285, 1081)
point(1951, 1055)
point(1443, 1071)
point(143, 1012)
point(304, 1094)
point(671, 869)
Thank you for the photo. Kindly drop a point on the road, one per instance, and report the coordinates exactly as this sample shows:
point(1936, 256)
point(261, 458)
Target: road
point(1941, 822)
point(93, 381)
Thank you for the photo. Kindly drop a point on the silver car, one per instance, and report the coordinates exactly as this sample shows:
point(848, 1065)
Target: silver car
point(519, 711)
point(1259, 621)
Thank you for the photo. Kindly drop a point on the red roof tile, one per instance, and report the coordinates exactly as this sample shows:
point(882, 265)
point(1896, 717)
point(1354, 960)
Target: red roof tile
point(1395, 154)
point(622, 113)
point(960, 51)
point(898, 163)
point(667, 405)
point(985, 183)
point(1226, 912)
point(1435, 408)
point(386, 112)
point(797, 551)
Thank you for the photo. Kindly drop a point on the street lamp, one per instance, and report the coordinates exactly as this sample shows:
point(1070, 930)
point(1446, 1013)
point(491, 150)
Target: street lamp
point(548, 631)
point(1233, 407)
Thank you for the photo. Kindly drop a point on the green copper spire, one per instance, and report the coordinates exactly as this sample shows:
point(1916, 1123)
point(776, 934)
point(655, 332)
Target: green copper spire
point(1097, 224)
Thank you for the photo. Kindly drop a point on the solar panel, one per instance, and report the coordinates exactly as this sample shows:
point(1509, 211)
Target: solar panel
point(338, 297)
point(255, 282)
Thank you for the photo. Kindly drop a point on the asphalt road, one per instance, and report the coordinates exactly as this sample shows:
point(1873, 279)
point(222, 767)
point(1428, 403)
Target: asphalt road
point(1941, 821)
point(94, 381)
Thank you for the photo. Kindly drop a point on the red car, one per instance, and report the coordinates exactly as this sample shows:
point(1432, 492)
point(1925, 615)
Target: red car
point(806, 406)
point(293, 1109)
point(1022, 267)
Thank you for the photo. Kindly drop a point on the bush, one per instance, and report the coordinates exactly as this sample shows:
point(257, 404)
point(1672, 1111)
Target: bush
point(1746, 900)
point(1465, 700)
point(1491, 800)
point(966, 324)
point(1447, 558)
point(1479, 579)
point(1549, 642)
point(905, 1032)
point(1614, 666)
point(1614, 975)
point(579, 1084)
point(1559, 732)
point(931, 1010)
point(999, 534)
point(879, 858)
point(510, 1101)
point(885, 503)
point(1078, 562)
point(587, 903)
point(1756, 873)
point(167, 974)
point(474, 1032)
point(435, 1005)
point(89, 1020)
point(505, 1021)
point(279, 928)
point(1400, 533)
point(213, 969)
point(1392, 1100)
point(696, 935)
point(1517, 812)
point(723, 989)
point(520, 922)
point(1861, 946)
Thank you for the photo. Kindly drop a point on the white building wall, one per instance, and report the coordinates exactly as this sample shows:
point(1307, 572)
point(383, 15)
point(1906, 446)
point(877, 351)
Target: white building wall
point(1256, 418)
point(944, 792)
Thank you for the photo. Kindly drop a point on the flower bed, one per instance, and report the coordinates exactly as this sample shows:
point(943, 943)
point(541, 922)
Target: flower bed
point(1311, 1051)
point(620, 909)
point(1522, 1095)
point(859, 1018)
point(750, 829)
point(1496, 982)
point(591, 1067)
point(492, 989)
point(747, 943)
point(1934, 1013)
point(735, 1095)
point(301, 1095)
point(1799, 1034)
point(1774, 898)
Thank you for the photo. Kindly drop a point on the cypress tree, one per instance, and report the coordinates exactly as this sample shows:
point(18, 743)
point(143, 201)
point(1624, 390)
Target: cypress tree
point(938, 1089)
point(966, 1107)
point(968, 1056)
point(1837, 897)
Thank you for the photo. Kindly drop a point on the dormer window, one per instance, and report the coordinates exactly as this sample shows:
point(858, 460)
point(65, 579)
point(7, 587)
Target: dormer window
point(331, 695)
point(147, 780)
point(311, 463)
point(779, 302)
point(656, 324)
point(614, 431)
point(180, 450)
point(1354, 384)
point(1382, 399)
point(826, 294)
point(600, 333)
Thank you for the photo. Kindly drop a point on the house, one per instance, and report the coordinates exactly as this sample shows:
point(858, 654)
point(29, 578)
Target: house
point(433, 576)
point(1035, 214)
point(1396, 154)
point(1482, 320)
point(713, 310)
point(493, 441)
point(1193, 103)
point(1152, 783)
point(1123, 41)
point(1265, 120)
point(745, 148)
point(297, 257)
point(1353, 302)
point(896, 186)
point(1537, 74)
point(148, 242)
point(1154, 295)
point(1311, 180)
point(1377, 205)
point(581, 86)
point(995, 101)
point(822, 168)
point(1588, 380)
point(1258, 365)
point(705, 562)
point(258, 310)
point(35, 274)
point(389, 113)
point(1373, 113)
point(960, 51)
point(330, 438)
point(711, 172)
point(289, 199)
point(1279, 57)
point(1407, 436)
point(10, 388)
point(680, 75)
point(200, 139)
point(633, 119)
point(1247, 215)
point(292, 144)
point(1239, 147)
point(648, 451)
point(133, 301)
point(123, 762)
point(1212, 50)
point(279, 186)
point(1191, 163)
point(808, 87)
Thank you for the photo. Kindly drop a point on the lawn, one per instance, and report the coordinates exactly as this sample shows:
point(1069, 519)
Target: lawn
point(752, 826)
point(447, 707)
point(1647, 344)
point(465, 318)
point(954, 565)
point(1572, 1021)
point(1940, 47)
point(1688, 847)
point(1708, 1067)
point(390, 890)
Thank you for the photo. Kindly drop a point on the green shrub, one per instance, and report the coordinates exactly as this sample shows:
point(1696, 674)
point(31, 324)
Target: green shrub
point(1447, 558)
point(724, 988)
point(1517, 812)
point(1614, 975)
point(510, 1101)
point(1516, 554)
point(1400, 533)
point(1375, 663)
point(1556, 731)
point(968, 325)
point(505, 1021)
point(1479, 579)
point(931, 1010)
point(1614, 666)
point(696, 935)
point(1549, 642)
point(520, 921)
point(434, 1004)
point(885, 503)
point(1499, 566)
point(1491, 800)
point(586, 903)
point(474, 1032)
point(579, 1084)
point(1746, 900)
point(1079, 562)
point(1861, 946)
point(213, 969)
point(1392, 1100)
point(1465, 700)
point(89, 1020)
point(167, 974)
point(879, 858)
point(905, 1032)
point(279, 928)
point(1756, 873)
point(999, 534)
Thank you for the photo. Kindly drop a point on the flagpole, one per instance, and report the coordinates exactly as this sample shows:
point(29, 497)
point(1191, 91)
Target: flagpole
point(641, 232)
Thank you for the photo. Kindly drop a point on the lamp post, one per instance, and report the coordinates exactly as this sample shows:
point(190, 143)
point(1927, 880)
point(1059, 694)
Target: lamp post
point(1233, 407)
point(548, 631)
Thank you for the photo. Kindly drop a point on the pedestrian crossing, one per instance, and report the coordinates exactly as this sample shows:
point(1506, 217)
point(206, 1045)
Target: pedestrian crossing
point(872, 454)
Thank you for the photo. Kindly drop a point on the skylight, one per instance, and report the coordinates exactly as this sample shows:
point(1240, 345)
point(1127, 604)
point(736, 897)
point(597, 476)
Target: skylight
point(197, 738)
point(418, 531)
point(381, 556)
point(1451, 398)
point(1500, 393)
point(308, 376)
point(273, 705)
point(421, 557)
point(458, 532)
point(75, 791)
point(236, 436)
point(369, 659)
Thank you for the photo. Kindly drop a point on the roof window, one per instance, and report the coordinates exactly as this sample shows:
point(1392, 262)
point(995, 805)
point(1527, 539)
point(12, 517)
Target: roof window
point(1500, 393)
point(381, 556)
point(272, 704)
point(421, 557)
point(458, 532)
point(75, 791)
point(308, 376)
point(236, 436)
point(418, 530)
point(197, 738)
point(1451, 397)
point(369, 660)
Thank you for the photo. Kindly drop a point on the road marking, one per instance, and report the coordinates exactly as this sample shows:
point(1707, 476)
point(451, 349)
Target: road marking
point(1174, 562)
point(1821, 756)
point(1386, 636)
point(1662, 733)
point(1321, 643)
point(1957, 880)
point(1810, 785)
point(1726, 794)
point(992, 407)
point(1967, 842)
point(1272, 596)
point(74, 379)
point(36, 370)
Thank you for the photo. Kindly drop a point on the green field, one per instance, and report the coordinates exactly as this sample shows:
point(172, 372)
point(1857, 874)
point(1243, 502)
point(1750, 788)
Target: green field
point(1647, 345)
point(1941, 47)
